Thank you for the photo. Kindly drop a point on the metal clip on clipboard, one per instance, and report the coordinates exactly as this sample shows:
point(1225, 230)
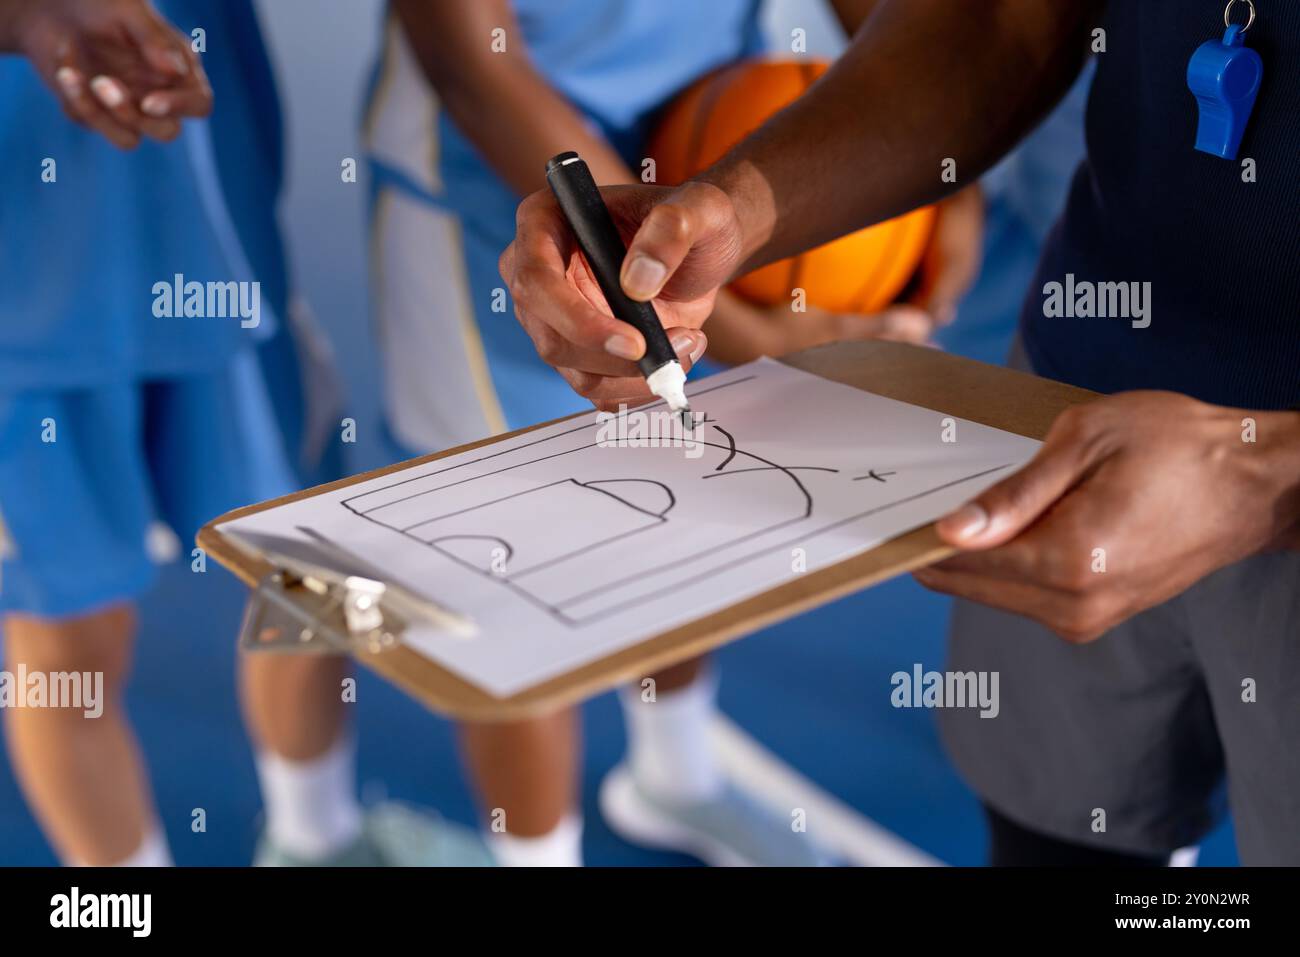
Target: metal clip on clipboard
point(322, 599)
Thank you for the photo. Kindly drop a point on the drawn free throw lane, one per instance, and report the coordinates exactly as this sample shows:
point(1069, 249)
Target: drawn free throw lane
point(596, 543)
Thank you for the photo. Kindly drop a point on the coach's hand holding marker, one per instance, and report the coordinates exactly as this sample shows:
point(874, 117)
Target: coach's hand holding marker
point(598, 237)
point(556, 302)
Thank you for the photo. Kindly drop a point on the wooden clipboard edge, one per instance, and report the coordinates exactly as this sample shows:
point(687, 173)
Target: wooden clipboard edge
point(448, 694)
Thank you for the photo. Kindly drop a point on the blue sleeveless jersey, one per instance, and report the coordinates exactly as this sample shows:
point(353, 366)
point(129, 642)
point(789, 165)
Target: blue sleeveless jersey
point(80, 255)
point(618, 62)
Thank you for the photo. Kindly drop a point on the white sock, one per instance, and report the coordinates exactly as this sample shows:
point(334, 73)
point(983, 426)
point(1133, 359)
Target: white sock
point(668, 741)
point(152, 852)
point(312, 809)
point(559, 847)
point(1185, 856)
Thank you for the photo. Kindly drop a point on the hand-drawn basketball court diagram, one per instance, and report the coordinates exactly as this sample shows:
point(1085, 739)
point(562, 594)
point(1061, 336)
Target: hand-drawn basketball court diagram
point(587, 530)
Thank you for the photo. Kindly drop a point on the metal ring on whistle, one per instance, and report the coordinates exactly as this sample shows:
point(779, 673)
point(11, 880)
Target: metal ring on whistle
point(1227, 13)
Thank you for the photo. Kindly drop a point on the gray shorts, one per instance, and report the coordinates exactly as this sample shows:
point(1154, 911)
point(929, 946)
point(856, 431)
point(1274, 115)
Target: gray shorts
point(1146, 723)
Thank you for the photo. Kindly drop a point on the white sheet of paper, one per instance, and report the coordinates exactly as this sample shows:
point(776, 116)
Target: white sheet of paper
point(564, 548)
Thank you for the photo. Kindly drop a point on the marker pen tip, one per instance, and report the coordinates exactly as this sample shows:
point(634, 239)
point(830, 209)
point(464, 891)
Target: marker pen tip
point(669, 383)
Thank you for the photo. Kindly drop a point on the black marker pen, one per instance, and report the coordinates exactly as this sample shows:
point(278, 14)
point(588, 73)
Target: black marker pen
point(600, 242)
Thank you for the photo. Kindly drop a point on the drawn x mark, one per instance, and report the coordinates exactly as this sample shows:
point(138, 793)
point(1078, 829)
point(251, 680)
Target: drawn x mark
point(873, 474)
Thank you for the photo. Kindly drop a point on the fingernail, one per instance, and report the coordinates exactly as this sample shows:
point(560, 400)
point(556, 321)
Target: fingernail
point(906, 323)
point(623, 347)
point(701, 344)
point(69, 79)
point(967, 522)
point(155, 104)
point(688, 345)
point(178, 61)
point(109, 93)
point(643, 276)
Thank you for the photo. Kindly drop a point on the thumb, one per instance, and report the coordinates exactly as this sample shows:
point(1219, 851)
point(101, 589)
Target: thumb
point(696, 220)
point(1004, 511)
point(898, 323)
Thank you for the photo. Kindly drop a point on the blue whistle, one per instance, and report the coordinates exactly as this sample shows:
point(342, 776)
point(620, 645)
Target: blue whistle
point(1224, 76)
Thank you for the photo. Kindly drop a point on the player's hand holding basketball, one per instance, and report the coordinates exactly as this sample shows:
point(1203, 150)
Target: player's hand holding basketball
point(684, 243)
point(116, 66)
point(1131, 500)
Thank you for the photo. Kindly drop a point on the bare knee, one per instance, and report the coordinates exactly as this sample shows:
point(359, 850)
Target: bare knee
point(98, 642)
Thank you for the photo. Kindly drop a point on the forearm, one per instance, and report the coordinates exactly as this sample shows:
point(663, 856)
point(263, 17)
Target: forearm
point(506, 108)
point(518, 121)
point(1279, 433)
point(924, 81)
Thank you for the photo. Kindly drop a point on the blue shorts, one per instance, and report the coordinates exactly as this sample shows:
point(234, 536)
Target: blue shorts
point(91, 478)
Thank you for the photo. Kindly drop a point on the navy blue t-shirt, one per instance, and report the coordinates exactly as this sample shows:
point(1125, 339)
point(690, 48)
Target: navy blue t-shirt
point(1221, 254)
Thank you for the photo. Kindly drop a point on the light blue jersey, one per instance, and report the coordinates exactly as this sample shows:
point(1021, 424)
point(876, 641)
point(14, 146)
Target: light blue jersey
point(457, 365)
point(87, 230)
point(121, 431)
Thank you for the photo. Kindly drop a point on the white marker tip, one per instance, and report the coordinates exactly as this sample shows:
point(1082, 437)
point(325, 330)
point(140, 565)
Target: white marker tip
point(669, 383)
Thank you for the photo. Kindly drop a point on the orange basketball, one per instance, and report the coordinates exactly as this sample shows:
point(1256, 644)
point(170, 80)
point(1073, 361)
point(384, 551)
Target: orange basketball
point(862, 272)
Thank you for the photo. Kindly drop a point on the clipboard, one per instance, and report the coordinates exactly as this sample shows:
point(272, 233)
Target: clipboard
point(323, 600)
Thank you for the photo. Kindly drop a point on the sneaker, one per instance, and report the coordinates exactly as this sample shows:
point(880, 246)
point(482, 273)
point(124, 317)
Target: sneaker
point(393, 835)
point(727, 831)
